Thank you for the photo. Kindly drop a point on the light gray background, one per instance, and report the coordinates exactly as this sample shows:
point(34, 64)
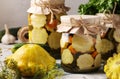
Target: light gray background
point(13, 12)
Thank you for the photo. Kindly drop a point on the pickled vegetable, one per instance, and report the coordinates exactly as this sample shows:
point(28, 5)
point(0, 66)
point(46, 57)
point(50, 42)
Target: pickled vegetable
point(97, 61)
point(39, 35)
point(54, 40)
point(85, 61)
point(103, 45)
point(67, 57)
point(116, 35)
point(38, 20)
point(83, 43)
point(118, 48)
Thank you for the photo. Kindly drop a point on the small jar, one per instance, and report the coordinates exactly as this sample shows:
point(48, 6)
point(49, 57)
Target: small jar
point(78, 52)
point(43, 17)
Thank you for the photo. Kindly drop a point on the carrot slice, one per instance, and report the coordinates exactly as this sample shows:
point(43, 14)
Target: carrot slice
point(94, 54)
point(72, 49)
point(70, 39)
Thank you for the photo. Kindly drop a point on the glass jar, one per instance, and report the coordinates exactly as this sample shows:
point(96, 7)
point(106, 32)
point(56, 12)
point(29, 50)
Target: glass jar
point(44, 16)
point(112, 22)
point(78, 50)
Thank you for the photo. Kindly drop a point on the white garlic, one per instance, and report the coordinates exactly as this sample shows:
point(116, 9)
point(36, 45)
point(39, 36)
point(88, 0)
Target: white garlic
point(7, 37)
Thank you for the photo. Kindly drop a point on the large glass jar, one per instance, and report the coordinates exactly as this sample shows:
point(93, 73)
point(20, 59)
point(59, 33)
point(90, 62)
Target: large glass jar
point(44, 16)
point(78, 43)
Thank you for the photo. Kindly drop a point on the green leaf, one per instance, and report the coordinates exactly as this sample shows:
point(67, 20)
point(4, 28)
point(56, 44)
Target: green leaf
point(93, 6)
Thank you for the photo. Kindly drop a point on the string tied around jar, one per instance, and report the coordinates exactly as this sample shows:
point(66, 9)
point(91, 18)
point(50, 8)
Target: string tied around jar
point(112, 18)
point(86, 27)
point(52, 8)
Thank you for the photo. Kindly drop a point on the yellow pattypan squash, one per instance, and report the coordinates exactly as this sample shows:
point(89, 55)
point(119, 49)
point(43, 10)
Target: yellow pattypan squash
point(112, 67)
point(31, 58)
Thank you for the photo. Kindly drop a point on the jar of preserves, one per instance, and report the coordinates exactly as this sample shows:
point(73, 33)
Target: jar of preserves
point(43, 17)
point(112, 22)
point(78, 43)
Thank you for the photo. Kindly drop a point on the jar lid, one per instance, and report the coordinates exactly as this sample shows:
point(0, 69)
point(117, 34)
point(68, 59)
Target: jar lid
point(77, 23)
point(47, 6)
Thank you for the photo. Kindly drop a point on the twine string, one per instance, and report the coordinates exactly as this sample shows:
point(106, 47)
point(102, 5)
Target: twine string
point(89, 29)
point(54, 9)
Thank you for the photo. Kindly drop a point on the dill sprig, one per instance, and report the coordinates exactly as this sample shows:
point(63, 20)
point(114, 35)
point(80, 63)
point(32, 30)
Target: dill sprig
point(7, 73)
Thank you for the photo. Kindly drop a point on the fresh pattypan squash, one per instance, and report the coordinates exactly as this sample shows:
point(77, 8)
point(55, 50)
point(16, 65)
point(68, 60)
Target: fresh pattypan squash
point(112, 67)
point(31, 58)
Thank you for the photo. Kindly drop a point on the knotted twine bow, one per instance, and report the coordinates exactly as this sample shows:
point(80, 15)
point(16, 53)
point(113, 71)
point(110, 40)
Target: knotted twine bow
point(54, 9)
point(87, 28)
point(112, 18)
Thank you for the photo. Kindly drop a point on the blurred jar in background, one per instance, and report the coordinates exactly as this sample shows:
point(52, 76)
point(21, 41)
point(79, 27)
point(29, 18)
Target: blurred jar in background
point(43, 17)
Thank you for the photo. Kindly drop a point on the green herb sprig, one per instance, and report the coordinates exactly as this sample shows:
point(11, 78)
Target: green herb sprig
point(7, 73)
point(99, 6)
point(11, 72)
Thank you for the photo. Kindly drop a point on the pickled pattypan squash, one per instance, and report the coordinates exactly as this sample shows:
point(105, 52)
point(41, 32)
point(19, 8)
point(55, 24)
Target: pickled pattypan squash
point(31, 58)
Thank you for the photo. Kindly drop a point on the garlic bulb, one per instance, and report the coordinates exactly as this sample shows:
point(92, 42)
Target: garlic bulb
point(7, 37)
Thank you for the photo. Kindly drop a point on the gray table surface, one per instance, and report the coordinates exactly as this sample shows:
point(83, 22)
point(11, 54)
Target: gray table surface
point(96, 75)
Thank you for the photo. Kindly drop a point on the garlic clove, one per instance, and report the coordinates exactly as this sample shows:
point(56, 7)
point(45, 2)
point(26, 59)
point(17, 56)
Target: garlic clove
point(7, 37)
